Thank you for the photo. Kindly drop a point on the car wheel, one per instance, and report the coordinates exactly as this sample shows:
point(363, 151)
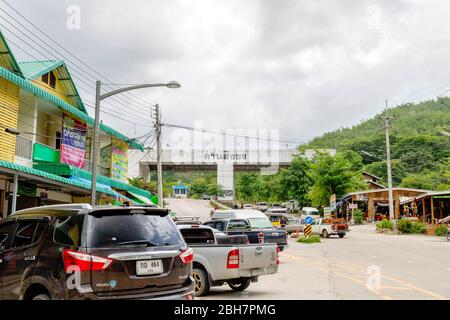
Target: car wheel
point(239, 286)
point(341, 235)
point(324, 233)
point(41, 297)
point(201, 282)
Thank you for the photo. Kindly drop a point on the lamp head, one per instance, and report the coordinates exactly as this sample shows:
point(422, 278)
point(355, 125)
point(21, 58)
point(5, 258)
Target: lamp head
point(173, 85)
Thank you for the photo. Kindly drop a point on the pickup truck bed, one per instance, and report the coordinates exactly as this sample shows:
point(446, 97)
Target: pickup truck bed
point(235, 264)
point(270, 235)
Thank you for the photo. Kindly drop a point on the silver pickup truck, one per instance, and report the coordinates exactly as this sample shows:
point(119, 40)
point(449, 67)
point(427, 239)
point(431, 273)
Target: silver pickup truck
point(234, 264)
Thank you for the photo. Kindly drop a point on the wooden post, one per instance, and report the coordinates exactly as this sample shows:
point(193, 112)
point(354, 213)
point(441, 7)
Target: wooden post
point(432, 210)
point(424, 212)
point(396, 207)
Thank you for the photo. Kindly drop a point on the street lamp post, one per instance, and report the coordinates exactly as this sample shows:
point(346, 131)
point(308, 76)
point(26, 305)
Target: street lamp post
point(99, 97)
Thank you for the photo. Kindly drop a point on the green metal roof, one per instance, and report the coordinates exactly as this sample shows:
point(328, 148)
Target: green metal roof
point(30, 87)
point(63, 169)
point(50, 176)
point(35, 69)
point(7, 57)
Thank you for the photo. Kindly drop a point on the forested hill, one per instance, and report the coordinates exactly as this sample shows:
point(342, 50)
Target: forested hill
point(428, 117)
point(420, 152)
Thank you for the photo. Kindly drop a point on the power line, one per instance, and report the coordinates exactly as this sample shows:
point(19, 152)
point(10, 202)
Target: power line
point(60, 118)
point(75, 75)
point(23, 103)
point(63, 48)
point(229, 134)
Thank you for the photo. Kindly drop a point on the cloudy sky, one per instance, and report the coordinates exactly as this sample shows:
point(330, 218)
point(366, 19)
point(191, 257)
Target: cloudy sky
point(303, 67)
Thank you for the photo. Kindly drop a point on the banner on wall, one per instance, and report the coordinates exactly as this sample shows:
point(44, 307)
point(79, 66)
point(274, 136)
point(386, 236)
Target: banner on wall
point(119, 159)
point(73, 144)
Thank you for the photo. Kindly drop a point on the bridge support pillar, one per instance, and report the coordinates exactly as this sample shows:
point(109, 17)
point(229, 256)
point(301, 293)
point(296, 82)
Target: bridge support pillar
point(225, 178)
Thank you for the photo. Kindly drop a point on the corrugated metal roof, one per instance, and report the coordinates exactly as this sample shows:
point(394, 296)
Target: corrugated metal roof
point(35, 69)
point(7, 57)
point(50, 176)
point(30, 87)
point(63, 169)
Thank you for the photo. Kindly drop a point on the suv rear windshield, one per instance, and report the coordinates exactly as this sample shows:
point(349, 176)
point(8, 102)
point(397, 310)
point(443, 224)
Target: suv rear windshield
point(109, 231)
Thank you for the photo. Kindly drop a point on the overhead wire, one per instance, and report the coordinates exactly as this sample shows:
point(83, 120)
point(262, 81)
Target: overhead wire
point(75, 75)
point(135, 98)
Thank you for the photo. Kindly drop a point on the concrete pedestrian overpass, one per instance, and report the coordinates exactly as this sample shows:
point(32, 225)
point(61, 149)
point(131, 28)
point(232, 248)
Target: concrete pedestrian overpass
point(141, 164)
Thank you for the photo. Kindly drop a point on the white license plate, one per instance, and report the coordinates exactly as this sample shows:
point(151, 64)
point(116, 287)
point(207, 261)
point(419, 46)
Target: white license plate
point(146, 267)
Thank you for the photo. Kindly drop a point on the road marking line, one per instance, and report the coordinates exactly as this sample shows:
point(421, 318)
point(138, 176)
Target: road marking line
point(361, 283)
point(411, 286)
point(407, 284)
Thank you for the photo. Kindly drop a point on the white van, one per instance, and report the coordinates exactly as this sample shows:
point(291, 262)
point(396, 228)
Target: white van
point(256, 218)
point(310, 211)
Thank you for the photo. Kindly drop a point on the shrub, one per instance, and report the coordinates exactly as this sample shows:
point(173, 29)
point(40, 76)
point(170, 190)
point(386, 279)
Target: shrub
point(404, 225)
point(358, 216)
point(418, 227)
point(441, 230)
point(384, 224)
point(311, 239)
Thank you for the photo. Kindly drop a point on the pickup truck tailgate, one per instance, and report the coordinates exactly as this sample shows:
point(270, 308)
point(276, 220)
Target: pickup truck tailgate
point(258, 256)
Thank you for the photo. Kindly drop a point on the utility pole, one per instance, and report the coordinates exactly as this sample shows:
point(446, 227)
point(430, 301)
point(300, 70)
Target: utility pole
point(95, 143)
point(387, 126)
point(157, 117)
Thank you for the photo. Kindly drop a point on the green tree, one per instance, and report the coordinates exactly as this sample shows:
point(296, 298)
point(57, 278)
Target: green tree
point(334, 175)
point(295, 181)
point(246, 186)
point(139, 182)
point(379, 168)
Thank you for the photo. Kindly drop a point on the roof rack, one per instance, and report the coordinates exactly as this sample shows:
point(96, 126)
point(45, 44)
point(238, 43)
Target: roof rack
point(70, 206)
point(187, 220)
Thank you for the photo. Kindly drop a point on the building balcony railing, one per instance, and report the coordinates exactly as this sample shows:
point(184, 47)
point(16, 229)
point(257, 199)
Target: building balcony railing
point(24, 148)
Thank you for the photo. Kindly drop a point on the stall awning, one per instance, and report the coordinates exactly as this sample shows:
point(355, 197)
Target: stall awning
point(100, 187)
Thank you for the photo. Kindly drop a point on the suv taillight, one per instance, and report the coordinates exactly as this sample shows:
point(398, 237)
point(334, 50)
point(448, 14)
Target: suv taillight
point(187, 256)
point(84, 261)
point(233, 259)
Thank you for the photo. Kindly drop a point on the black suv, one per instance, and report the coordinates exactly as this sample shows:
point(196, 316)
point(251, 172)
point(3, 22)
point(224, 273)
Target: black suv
point(83, 252)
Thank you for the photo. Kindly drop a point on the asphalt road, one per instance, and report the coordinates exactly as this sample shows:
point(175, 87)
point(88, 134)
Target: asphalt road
point(409, 267)
point(190, 207)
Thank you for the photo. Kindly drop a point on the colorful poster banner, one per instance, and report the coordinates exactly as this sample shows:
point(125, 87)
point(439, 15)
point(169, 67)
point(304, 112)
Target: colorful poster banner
point(73, 144)
point(119, 159)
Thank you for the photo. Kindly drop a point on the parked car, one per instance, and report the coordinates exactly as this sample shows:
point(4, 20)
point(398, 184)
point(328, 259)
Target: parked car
point(277, 216)
point(247, 206)
point(294, 225)
point(252, 223)
point(326, 227)
point(262, 206)
point(310, 211)
point(81, 251)
point(235, 264)
point(206, 197)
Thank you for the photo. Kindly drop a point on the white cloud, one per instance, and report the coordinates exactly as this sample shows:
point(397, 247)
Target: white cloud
point(305, 67)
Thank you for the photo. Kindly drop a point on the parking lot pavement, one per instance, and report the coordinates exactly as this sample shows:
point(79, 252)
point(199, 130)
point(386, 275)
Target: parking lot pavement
point(363, 265)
